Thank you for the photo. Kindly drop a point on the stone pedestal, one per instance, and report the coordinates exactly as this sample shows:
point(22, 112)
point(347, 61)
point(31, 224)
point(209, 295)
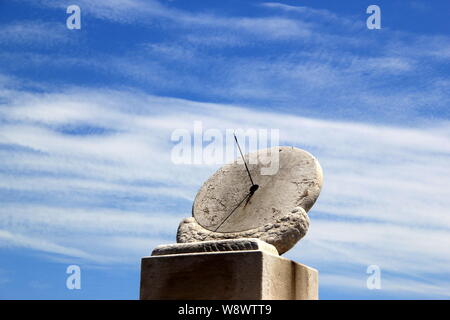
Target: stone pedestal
point(243, 269)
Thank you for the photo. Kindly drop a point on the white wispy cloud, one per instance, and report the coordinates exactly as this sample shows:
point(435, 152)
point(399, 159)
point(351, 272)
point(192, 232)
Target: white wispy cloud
point(143, 12)
point(309, 12)
point(34, 33)
point(10, 239)
point(315, 62)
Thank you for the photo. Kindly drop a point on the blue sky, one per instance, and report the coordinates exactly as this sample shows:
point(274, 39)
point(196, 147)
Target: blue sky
point(86, 118)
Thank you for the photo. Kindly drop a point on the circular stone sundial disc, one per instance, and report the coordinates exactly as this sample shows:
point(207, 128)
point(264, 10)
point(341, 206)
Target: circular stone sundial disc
point(297, 183)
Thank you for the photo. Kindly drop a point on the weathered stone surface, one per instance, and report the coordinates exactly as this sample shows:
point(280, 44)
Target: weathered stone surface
point(297, 183)
point(249, 275)
point(208, 264)
point(215, 246)
point(283, 233)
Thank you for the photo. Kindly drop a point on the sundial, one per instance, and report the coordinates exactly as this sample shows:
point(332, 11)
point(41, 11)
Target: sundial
point(238, 201)
point(243, 215)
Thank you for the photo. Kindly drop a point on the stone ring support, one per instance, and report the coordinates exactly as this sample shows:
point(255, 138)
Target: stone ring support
point(283, 233)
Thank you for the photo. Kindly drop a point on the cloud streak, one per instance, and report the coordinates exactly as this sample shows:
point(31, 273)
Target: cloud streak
point(395, 77)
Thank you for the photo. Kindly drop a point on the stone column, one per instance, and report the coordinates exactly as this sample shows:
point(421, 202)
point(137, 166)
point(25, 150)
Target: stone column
point(241, 269)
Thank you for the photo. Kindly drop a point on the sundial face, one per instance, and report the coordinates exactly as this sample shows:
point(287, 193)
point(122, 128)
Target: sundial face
point(225, 202)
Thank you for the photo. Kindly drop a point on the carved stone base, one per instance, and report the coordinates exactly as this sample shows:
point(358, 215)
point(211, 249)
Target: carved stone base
point(247, 272)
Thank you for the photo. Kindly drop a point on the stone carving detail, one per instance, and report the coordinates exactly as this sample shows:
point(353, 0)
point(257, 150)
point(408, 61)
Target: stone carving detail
point(284, 233)
point(215, 246)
